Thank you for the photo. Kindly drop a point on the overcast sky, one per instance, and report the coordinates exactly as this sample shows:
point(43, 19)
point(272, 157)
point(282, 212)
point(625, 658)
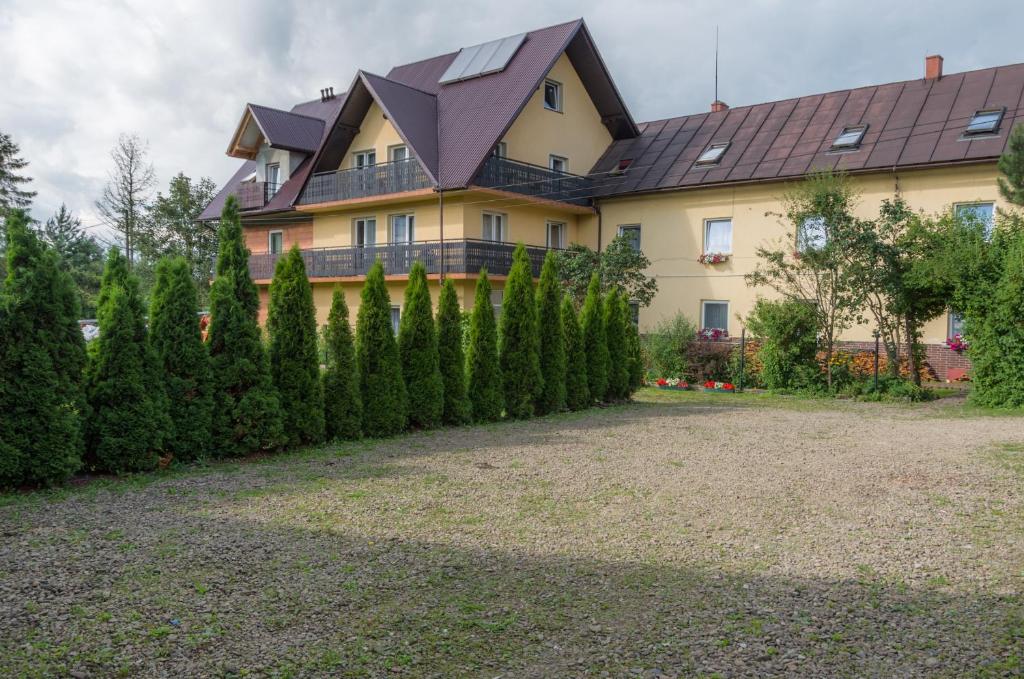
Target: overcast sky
point(177, 73)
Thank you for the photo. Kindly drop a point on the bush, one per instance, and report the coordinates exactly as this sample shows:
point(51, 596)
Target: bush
point(889, 389)
point(788, 332)
point(665, 348)
point(417, 349)
point(750, 375)
point(381, 387)
point(633, 356)
point(708, 360)
point(484, 371)
point(618, 358)
point(552, 338)
point(577, 390)
point(183, 364)
point(451, 356)
point(595, 343)
point(519, 343)
point(343, 411)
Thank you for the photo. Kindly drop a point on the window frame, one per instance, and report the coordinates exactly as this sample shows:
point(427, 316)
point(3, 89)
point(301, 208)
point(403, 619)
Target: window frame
point(852, 145)
point(558, 108)
point(277, 176)
point(553, 158)
point(356, 155)
point(703, 313)
point(270, 241)
point(993, 129)
point(715, 160)
point(355, 231)
point(949, 323)
point(801, 246)
point(547, 233)
point(707, 224)
point(396, 318)
point(990, 224)
point(630, 227)
point(500, 150)
point(504, 226)
point(496, 308)
point(399, 147)
point(410, 222)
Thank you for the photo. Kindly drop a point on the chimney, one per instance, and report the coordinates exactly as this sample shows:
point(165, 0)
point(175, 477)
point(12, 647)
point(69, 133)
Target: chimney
point(718, 105)
point(326, 93)
point(933, 67)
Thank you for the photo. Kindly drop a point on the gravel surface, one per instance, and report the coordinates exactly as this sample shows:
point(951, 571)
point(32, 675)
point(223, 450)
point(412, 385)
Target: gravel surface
point(683, 535)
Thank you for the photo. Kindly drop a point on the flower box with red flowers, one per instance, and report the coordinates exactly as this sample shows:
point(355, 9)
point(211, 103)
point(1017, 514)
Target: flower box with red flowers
point(713, 334)
point(672, 383)
point(957, 343)
point(713, 258)
point(711, 385)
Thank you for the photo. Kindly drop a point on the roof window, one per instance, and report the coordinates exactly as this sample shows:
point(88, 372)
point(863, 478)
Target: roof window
point(985, 122)
point(712, 154)
point(849, 138)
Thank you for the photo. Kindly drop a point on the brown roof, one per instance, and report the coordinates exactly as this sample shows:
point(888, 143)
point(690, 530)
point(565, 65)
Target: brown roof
point(287, 129)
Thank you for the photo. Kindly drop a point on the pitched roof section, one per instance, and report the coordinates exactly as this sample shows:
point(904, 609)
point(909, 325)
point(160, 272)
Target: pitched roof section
point(288, 130)
point(910, 123)
point(413, 113)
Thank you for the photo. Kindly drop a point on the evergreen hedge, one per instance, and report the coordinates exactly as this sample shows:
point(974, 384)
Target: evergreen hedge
point(633, 355)
point(577, 391)
point(595, 345)
point(552, 397)
point(343, 411)
point(618, 356)
point(294, 359)
point(183, 366)
point(381, 388)
point(518, 352)
point(483, 368)
point(417, 349)
point(451, 358)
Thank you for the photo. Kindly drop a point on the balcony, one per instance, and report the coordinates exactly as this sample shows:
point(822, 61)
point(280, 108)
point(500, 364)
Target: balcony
point(254, 195)
point(466, 256)
point(534, 180)
point(363, 182)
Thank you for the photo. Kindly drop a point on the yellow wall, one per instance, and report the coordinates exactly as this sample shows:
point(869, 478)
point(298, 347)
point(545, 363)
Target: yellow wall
point(376, 132)
point(575, 133)
point(672, 235)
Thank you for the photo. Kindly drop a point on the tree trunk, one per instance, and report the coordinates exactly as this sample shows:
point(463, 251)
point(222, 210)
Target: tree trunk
point(915, 374)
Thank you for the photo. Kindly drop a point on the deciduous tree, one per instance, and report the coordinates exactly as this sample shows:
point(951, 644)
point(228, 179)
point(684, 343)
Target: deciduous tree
point(124, 204)
point(619, 265)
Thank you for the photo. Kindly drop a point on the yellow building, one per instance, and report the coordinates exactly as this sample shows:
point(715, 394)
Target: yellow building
point(453, 159)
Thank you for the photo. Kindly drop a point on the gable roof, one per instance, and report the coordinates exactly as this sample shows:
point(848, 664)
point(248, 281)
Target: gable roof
point(909, 124)
point(282, 129)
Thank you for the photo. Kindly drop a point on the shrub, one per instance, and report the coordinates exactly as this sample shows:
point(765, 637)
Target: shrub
point(618, 359)
point(451, 356)
point(708, 360)
point(552, 338)
point(417, 348)
point(750, 376)
point(246, 409)
point(577, 391)
point(666, 346)
point(788, 331)
point(595, 344)
point(182, 362)
point(633, 356)
point(343, 411)
point(484, 371)
point(294, 359)
point(380, 374)
point(519, 350)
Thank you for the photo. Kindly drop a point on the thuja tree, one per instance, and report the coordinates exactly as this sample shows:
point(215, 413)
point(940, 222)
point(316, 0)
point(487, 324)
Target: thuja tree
point(483, 369)
point(183, 366)
point(595, 345)
point(577, 391)
point(41, 362)
point(381, 387)
point(1011, 164)
point(451, 358)
point(247, 413)
point(343, 411)
point(618, 356)
point(294, 359)
point(518, 353)
point(552, 338)
point(417, 350)
point(633, 355)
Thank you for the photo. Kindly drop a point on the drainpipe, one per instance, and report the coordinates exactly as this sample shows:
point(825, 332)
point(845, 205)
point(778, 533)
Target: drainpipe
point(597, 206)
point(440, 208)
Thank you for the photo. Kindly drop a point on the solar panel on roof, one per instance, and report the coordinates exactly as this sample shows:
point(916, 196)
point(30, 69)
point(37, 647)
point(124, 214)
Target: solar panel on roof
point(478, 60)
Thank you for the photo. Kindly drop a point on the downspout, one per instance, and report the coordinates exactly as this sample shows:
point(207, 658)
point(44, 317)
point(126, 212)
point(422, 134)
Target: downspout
point(440, 209)
point(597, 207)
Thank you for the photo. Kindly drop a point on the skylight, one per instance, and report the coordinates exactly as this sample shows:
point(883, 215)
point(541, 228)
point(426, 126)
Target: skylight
point(985, 122)
point(850, 137)
point(712, 154)
point(478, 60)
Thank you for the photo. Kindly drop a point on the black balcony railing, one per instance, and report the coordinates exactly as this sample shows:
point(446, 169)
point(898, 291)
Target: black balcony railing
point(361, 182)
point(534, 180)
point(254, 195)
point(460, 256)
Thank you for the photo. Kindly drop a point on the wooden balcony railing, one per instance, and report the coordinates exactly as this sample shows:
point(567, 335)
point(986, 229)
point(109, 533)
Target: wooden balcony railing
point(361, 182)
point(534, 180)
point(465, 256)
point(254, 195)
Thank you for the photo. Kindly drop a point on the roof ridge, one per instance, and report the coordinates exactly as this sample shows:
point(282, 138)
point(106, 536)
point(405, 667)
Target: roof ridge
point(399, 83)
point(291, 113)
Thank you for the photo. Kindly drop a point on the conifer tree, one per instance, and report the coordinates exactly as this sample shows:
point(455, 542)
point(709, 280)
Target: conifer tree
point(417, 349)
point(41, 363)
point(246, 410)
point(552, 396)
point(183, 366)
point(343, 412)
point(483, 369)
point(380, 373)
point(518, 351)
point(294, 359)
point(577, 391)
point(1011, 164)
point(618, 357)
point(634, 357)
point(595, 346)
point(451, 358)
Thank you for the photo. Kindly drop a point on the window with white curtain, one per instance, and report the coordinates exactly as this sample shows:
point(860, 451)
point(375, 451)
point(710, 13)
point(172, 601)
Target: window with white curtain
point(402, 227)
point(556, 235)
point(714, 314)
point(718, 236)
point(493, 226)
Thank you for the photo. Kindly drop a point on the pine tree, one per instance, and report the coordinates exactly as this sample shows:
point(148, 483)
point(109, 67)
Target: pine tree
point(634, 357)
point(519, 344)
point(183, 364)
point(595, 346)
point(483, 368)
point(417, 348)
point(246, 410)
point(1011, 164)
point(380, 373)
point(343, 412)
point(577, 391)
point(452, 361)
point(294, 359)
point(552, 397)
point(618, 357)
point(42, 354)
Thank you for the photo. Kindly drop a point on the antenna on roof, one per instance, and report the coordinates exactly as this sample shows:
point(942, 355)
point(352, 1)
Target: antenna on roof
point(716, 62)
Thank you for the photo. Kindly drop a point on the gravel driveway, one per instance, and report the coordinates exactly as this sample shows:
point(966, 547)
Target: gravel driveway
point(683, 535)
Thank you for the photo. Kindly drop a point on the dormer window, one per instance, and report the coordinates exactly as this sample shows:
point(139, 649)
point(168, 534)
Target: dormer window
point(712, 154)
point(850, 138)
point(552, 95)
point(398, 153)
point(623, 166)
point(985, 122)
point(364, 159)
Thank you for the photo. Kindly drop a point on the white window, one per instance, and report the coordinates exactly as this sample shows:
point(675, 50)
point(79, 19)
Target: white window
point(273, 174)
point(556, 235)
point(985, 122)
point(977, 213)
point(558, 163)
point(552, 95)
point(364, 231)
point(496, 298)
point(364, 158)
point(275, 243)
point(494, 226)
point(712, 154)
point(813, 234)
point(501, 150)
point(714, 315)
point(632, 234)
point(634, 313)
point(398, 153)
point(396, 318)
point(402, 227)
point(956, 324)
point(718, 236)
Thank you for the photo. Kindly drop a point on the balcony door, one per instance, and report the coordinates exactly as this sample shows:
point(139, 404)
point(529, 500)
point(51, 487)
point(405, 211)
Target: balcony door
point(402, 233)
point(364, 237)
point(493, 228)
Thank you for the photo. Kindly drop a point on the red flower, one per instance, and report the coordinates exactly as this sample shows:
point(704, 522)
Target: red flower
point(728, 386)
point(662, 382)
point(710, 384)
